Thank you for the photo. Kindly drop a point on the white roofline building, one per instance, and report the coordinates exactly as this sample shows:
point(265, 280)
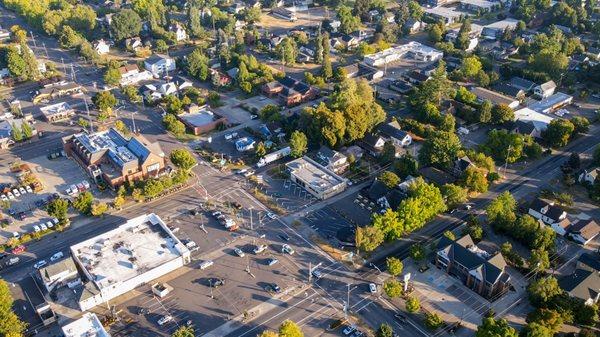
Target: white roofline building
point(131, 255)
point(315, 178)
point(414, 48)
point(87, 326)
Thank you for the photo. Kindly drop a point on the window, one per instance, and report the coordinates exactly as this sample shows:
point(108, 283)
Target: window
point(153, 167)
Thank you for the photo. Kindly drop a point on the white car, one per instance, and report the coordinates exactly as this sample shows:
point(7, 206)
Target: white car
point(239, 252)
point(36, 228)
point(287, 249)
point(28, 189)
point(3, 197)
point(43, 226)
point(316, 273)
point(56, 256)
point(165, 319)
point(16, 193)
point(373, 288)
point(49, 224)
point(10, 195)
point(272, 215)
point(260, 249)
point(86, 184)
point(40, 264)
point(206, 264)
point(55, 220)
point(22, 190)
point(16, 235)
point(349, 329)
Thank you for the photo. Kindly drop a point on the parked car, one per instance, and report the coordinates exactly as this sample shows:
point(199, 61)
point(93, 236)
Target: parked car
point(272, 215)
point(249, 173)
point(316, 273)
point(13, 261)
point(49, 224)
point(10, 195)
point(164, 320)
point(28, 189)
point(216, 282)
point(287, 249)
point(349, 329)
point(36, 228)
point(260, 249)
point(19, 249)
point(284, 237)
point(206, 264)
point(239, 252)
point(22, 190)
point(56, 256)
point(86, 184)
point(16, 235)
point(272, 287)
point(16, 192)
point(40, 264)
point(272, 261)
point(3, 197)
point(43, 227)
point(373, 288)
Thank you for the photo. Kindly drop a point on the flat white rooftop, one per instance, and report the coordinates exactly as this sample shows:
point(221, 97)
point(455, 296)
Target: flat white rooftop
point(539, 120)
point(87, 326)
point(479, 3)
point(139, 245)
point(313, 174)
point(55, 108)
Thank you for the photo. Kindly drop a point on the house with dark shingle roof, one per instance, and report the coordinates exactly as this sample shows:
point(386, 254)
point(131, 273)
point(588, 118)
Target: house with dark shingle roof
point(589, 176)
point(584, 282)
point(332, 160)
point(394, 131)
point(550, 214)
point(461, 165)
point(521, 83)
point(478, 270)
point(584, 231)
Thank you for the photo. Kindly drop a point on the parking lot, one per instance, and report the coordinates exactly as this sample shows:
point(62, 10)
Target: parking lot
point(193, 299)
point(56, 176)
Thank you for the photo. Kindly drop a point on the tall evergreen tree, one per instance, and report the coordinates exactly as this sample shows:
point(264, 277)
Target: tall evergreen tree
point(319, 48)
point(17, 134)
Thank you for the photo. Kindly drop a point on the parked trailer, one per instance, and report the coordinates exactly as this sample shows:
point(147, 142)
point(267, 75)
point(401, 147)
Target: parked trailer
point(273, 156)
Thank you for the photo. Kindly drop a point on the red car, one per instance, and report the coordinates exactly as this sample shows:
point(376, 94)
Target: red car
point(18, 249)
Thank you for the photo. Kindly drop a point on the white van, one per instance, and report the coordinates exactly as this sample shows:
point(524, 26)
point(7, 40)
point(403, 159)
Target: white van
point(206, 264)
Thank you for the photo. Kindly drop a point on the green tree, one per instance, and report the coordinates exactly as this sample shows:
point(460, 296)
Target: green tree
point(10, 324)
point(105, 101)
point(385, 330)
point(502, 209)
point(440, 149)
point(542, 291)
point(349, 22)
point(290, 329)
point(268, 333)
point(287, 51)
point(558, 133)
point(15, 63)
point(319, 48)
point(537, 330)
point(413, 305)
point(58, 208)
point(462, 40)
point(435, 33)
point(173, 125)
point(394, 266)
point(184, 331)
point(502, 113)
point(450, 235)
point(581, 124)
point(298, 144)
point(125, 24)
point(251, 15)
point(596, 155)
point(454, 195)
point(549, 62)
point(132, 94)
point(69, 38)
point(485, 112)
point(82, 18)
point(183, 159)
point(368, 238)
point(392, 288)
point(539, 260)
point(83, 203)
point(390, 224)
point(389, 179)
point(471, 66)
point(474, 179)
point(327, 69)
point(17, 133)
point(26, 129)
point(417, 252)
point(99, 209)
point(261, 150)
point(504, 145)
point(491, 327)
point(112, 76)
point(433, 321)
point(547, 317)
point(197, 64)
point(118, 202)
point(152, 188)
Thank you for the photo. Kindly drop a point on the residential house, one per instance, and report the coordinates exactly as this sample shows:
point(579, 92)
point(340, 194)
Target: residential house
point(236, 7)
point(400, 86)
point(460, 165)
point(415, 77)
point(397, 135)
point(551, 103)
point(480, 271)
point(584, 231)
point(538, 120)
point(56, 90)
point(57, 112)
point(584, 282)
point(200, 119)
point(550, 214)
point(59, 273)
point(332, 160)
point(494, 97)
point(131, 74)
point(495, 30)
point(290, 91)
point(180, 33)
point(109, 156)
point(511, 91)
point(523, 84)
point(589, 176)
point(545, 90)
point(159, 64)
point(524, 128)
point(133, 43)
point(373, 144)
point(385, 197)
point(436, 176)
point(283, 13)
point(413, 26)
point(479, 6)
point(101, 47)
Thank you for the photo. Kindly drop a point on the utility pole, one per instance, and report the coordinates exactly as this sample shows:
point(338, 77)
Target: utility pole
point(63, 64)
point(87, 109)
point(45, 50)
point(347, 300)
point(309, 272)
point(133, 122)
point(251, 224)
point(506, 160)
point(72, 73)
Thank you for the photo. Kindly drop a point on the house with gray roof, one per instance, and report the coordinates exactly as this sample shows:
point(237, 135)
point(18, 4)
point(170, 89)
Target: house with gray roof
point(584, 282)
point(332, 160)
point(480, 271)
point(589, 176)
point(584, 231)
point(550, 214)
point(397, 135)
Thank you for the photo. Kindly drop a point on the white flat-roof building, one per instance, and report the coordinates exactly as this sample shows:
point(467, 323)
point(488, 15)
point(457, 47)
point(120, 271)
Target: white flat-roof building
point(315, 178)
point(551, 103)
point(87, 326)
point(131, 255)
point(493, 30)
point(56, 112)
point(540, 121)
point(447, 14)
point(415, 49)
